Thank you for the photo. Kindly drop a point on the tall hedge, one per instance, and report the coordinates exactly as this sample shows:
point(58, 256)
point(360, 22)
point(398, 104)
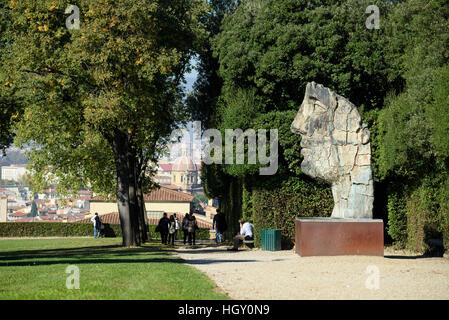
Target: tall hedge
point(419, 213)
point(277, 208)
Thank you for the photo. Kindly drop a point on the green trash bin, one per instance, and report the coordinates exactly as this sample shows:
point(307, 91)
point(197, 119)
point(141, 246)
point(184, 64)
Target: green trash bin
point(271, 239)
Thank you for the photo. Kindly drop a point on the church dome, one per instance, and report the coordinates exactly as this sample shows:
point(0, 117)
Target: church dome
point(184, 163)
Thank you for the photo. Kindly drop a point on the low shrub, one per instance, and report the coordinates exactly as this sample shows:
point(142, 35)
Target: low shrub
point(55, 229)
point(74, 229)
point(201, 233)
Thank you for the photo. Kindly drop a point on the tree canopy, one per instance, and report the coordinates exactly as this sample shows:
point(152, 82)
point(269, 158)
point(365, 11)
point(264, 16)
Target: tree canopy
point(100, 100)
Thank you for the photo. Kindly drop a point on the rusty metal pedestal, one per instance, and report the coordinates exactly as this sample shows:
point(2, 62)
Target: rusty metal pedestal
point(338, 236)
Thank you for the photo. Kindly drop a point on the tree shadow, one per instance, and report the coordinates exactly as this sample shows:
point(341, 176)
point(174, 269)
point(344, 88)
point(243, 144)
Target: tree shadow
point(87, 254)
point(210, 261)
point(199, 251)
point(422, 256)
point(88, 261)
point(406, 257)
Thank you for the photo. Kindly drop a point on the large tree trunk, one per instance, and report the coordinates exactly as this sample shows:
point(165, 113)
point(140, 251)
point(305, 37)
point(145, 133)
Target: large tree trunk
point(133, 203)
point(120, 147)
point(143, 211)
point(231, 205)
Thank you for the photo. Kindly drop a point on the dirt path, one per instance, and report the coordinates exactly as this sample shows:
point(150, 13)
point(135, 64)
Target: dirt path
point(283, 275)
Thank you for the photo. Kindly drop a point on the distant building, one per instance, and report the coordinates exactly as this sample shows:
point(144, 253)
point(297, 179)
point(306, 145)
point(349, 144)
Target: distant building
point(184, 174)
point(13, 172)
point(3, 209)
point(159, 200)
point(163, 175)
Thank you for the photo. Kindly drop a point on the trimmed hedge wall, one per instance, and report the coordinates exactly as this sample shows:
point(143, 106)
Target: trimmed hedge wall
point(277, 208)
point(55, 229)
point(74, 229)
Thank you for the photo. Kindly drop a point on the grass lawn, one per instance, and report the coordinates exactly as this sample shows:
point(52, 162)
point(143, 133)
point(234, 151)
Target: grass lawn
point(36, 269)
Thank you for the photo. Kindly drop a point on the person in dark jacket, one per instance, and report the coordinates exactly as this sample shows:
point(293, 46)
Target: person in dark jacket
point(185, 227)
point(97, 225)
point(220, 226)
point(192, 225)
point(163, 228)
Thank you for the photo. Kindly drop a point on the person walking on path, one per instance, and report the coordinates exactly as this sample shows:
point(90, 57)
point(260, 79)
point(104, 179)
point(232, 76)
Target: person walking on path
point(246, 233)
point(220, 226)
point(97, 225)
point(171, 230)
point(162, 227)
point(192, 225)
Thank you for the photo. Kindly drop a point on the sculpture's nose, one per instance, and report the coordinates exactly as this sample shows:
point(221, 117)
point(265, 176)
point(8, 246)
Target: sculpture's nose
point(298, 125)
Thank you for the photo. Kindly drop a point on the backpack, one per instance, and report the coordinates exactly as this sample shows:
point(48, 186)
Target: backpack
point(185, 224)
point(172, 227)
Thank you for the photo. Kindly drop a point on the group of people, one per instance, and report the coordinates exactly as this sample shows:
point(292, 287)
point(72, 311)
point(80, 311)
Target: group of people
point(168, 228)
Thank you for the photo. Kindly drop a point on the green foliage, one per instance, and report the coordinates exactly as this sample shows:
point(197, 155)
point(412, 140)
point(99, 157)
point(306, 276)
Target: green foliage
point(412, 133)
point(33, 269)
point(418, 212)
point(397, 218)
point(121, 72)
point(276, 47)
point(51, 229)
point(197, 200)
point(74, 229)
point(442, 200)
point(414, 121)
point(202, 101)
point(438, 115)
point(34, 211)
point(10, 108)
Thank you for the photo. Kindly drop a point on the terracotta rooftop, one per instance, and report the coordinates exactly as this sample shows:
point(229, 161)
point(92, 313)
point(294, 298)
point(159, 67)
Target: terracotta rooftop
point(161, 194)
point(166, 166)
point(114, 218)
point(25, 220)
point(18, 214)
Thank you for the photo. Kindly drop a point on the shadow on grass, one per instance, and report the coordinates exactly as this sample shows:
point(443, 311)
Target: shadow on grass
point(88, 261)
point(88, 254)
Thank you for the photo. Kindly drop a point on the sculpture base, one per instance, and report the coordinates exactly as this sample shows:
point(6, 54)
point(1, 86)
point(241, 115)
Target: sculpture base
point(338, 236)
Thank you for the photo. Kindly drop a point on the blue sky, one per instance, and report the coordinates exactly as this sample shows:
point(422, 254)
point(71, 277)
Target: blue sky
point(191, 76)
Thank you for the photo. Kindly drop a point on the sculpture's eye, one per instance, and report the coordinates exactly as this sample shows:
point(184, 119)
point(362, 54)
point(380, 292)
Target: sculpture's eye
point(319, 108)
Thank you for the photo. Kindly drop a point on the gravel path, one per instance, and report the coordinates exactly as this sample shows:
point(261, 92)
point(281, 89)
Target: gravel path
point(283, 275)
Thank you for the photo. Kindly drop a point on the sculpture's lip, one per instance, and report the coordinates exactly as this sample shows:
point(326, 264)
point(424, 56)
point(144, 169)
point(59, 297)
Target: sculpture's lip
point(296, 130)
point(305, 143)
point(305, 150)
